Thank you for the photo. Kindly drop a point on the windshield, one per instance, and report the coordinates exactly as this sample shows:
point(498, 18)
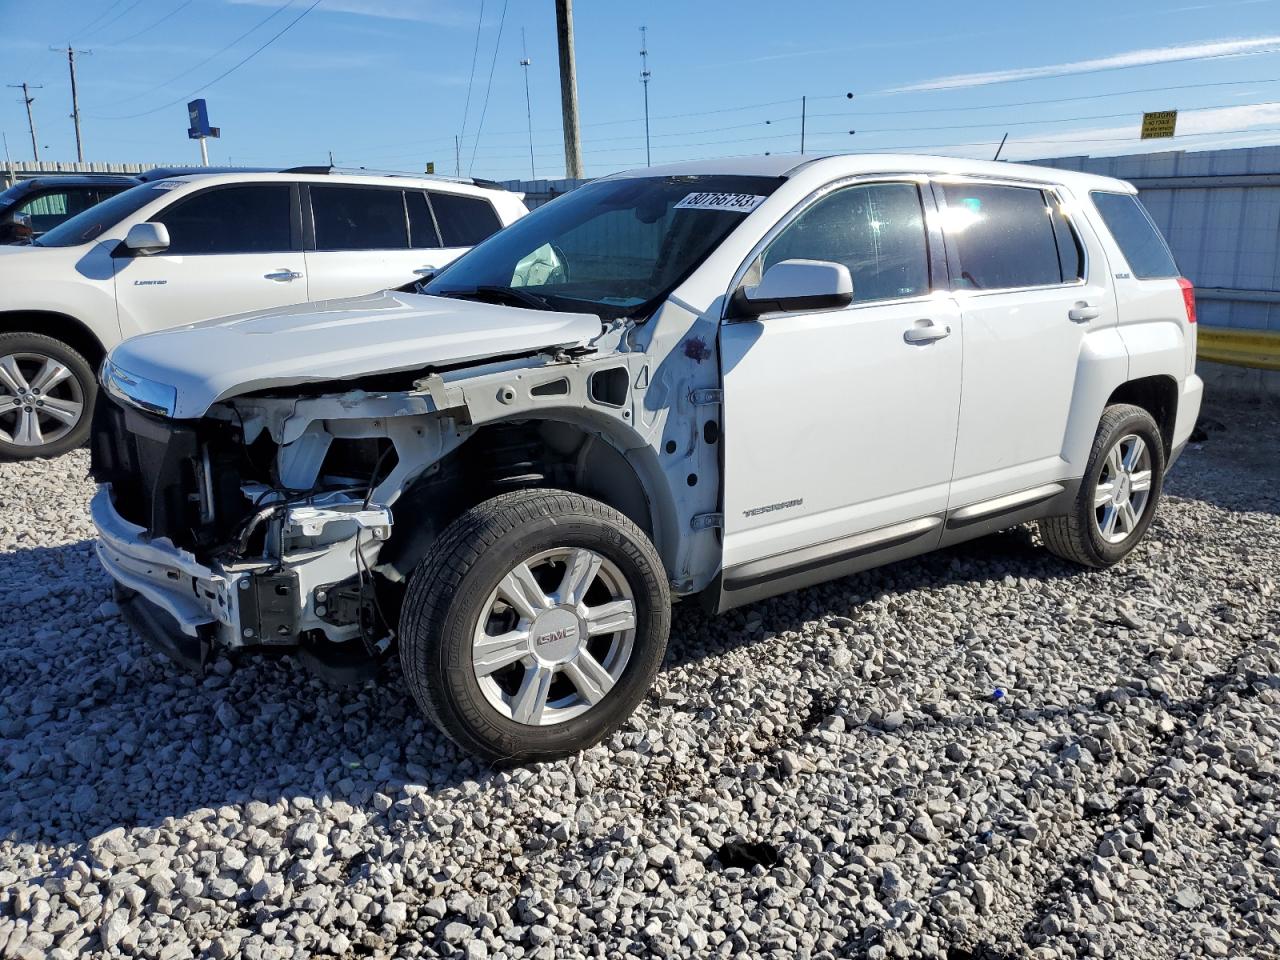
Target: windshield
point(91, 224)
point(613, 247)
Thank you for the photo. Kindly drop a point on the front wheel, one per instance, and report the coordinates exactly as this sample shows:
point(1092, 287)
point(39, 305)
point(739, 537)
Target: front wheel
point(46, 397)
point(535, 626)
point(1118, 494)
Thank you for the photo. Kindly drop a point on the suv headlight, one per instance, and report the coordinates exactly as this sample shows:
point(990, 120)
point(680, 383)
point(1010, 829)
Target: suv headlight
point(139, 391)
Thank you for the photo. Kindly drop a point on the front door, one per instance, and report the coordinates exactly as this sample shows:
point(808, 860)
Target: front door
point(232, 249)
point(840, 425)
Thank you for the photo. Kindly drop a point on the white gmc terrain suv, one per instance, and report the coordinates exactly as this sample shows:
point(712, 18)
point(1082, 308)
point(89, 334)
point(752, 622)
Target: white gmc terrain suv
point(721, 380)
point(184, 248)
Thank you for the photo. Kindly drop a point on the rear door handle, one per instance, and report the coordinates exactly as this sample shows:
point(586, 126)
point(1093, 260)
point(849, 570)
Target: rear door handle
point(1083, 311)
point(283, 276)
point(926, 331)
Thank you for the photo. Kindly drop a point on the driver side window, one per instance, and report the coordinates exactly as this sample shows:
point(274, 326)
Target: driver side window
point(876, 230)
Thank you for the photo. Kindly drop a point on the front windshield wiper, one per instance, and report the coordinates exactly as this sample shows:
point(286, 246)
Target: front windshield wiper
point(522, 297)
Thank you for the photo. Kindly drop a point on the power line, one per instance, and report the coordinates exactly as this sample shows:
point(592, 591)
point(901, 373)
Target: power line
point(97, 19)
point(1050, 100)
point(489, 87)
point(118, 16)
point(190, 70)
point(155, 23)
point(466, 106)
point(226, 73)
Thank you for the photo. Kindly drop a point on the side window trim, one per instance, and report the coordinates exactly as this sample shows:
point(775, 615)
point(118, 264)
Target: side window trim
point(937, 273)
point(431, 211)
point(953, 255)
point(294, 225)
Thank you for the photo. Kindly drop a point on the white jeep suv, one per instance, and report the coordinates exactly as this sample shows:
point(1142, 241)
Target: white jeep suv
point(722, 380)
point(187, 248)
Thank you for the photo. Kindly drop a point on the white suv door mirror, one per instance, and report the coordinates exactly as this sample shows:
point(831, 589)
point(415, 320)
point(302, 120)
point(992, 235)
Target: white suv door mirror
point(796, 285)
point(147, 238)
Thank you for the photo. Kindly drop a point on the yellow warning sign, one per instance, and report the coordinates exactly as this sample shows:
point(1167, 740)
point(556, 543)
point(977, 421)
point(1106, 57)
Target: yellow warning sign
point(1159, 124)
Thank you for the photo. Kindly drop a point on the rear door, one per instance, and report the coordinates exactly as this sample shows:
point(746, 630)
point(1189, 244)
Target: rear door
point(364, 238)
point(1030, 297)
point(840, 424)
point(232, 249)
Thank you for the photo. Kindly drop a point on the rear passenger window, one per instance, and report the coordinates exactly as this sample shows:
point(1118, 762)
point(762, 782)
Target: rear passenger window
point(422, 228)
point(1139, 240)
point(359, 218)
point(253, 218)
point(1008, 237)
point(877, 231)
point(464, 221)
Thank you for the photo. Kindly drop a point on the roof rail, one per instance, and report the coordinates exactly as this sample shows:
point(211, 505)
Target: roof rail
point(325, 170)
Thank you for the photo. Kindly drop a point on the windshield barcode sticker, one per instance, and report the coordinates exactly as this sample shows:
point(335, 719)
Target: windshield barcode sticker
point(167, 184)
point(734, 202)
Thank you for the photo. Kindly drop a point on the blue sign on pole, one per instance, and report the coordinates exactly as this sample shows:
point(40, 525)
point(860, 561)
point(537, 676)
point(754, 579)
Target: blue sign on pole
point(198, 113)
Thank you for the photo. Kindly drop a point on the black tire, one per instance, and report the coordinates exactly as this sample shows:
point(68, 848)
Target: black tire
point(30, 345)
point(451, 588)
point(1076, 536)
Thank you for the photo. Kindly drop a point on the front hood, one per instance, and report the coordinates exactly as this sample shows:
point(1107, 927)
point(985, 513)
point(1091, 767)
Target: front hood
point(337, 340)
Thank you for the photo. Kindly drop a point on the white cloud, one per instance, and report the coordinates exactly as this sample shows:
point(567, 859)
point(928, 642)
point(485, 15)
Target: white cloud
point(422, 11)
point(1196, 130)
point(1133, 58)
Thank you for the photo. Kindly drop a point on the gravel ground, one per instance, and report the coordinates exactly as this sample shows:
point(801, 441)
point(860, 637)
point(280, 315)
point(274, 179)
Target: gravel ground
point(982, 754)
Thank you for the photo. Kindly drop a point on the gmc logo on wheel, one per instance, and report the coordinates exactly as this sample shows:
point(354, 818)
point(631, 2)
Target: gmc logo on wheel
point(555, 635)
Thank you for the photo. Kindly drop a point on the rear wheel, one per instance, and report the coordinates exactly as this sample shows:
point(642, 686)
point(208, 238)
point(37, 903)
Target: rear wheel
point(1118, 495)
point(46, 397)
point(535, 626)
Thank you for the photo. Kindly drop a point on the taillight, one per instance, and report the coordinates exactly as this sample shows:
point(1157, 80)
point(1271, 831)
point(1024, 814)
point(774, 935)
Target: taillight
point(1188, 298)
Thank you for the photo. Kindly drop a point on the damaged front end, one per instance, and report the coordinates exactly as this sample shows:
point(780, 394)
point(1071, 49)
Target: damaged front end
point(215, 540)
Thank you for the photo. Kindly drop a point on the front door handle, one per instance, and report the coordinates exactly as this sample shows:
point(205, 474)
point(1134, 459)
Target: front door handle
point(926, 331)
point(1083, 311)
point(426, 271)
point(283, 276)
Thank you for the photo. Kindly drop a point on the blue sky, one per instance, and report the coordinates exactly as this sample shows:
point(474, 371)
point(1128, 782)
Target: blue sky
point(389, 83)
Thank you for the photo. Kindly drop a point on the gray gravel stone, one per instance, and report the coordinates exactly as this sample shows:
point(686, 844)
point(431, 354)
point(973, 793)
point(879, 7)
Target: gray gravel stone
point(1119, 800)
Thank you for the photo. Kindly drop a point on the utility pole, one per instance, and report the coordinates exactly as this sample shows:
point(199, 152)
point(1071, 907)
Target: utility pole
point(457, 157)
point(28, 99)
point(802, 116)
point(528, 104)
point(568, 90)
point(644, 79)
point(75, 100)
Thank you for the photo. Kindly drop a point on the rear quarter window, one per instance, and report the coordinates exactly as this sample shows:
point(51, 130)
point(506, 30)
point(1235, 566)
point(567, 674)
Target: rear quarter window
point(464, 221)
point(1135, 233)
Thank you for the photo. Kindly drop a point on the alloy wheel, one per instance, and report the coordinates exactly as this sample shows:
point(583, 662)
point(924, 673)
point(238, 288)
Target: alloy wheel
point(554, 636)
point(41, 400)
point(1123, 490)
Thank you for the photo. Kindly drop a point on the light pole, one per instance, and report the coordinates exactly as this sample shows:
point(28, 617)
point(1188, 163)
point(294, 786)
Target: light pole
point(644, 79)
point(528, 104)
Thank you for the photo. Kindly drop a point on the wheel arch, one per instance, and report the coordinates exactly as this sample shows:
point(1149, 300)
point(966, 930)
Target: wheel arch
point(568, 449)
point(61, 326)
point(1158, 395)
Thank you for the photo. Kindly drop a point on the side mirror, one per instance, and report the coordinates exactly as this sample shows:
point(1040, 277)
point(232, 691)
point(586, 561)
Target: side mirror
point(796, 285)
point(147, 238)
